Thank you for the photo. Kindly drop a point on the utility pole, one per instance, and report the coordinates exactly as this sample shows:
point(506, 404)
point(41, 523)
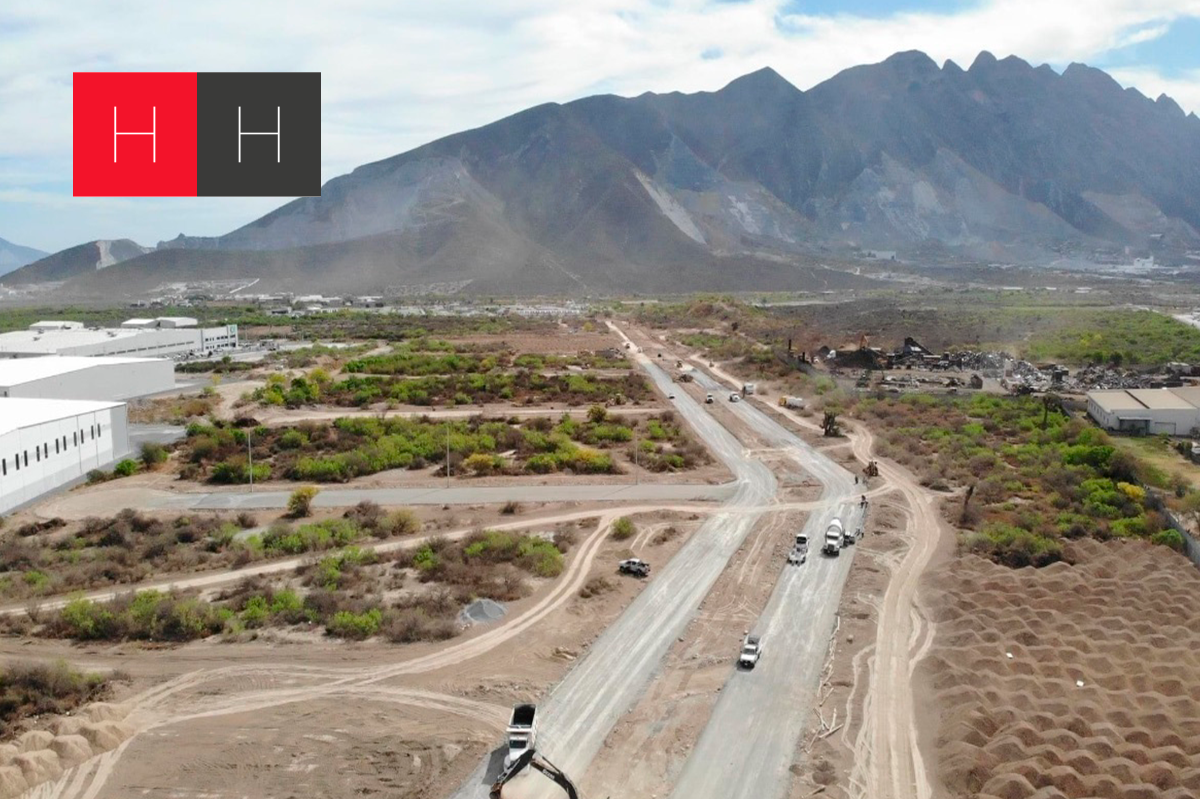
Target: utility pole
point(636, 476)
point(447, 454)
point(250, 458)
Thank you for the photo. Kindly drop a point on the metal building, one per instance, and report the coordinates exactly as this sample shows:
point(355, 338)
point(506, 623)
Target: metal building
point(68, 338)
point(1147, 411)
point(75, 377)
point(48, 443)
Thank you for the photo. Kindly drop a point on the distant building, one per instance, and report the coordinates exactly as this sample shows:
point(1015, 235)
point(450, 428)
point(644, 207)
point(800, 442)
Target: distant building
point(46, 444)
point(161, 321)
point(1147, 411)
point(80, 378)
point(172, 337)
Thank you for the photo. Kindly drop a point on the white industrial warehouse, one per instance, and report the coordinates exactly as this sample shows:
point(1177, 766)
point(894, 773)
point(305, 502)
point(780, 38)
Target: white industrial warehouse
point(54, 377)
point(48, 443)
point(164, 336)
point(1147, 411)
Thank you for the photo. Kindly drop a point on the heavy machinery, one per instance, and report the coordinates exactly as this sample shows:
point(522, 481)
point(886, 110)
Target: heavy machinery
point(530, 758)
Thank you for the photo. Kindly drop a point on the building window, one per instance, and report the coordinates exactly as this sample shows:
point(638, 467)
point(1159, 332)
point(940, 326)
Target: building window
point(26, 457)
point(56, 446)
point(3, 466)
point(75, 438)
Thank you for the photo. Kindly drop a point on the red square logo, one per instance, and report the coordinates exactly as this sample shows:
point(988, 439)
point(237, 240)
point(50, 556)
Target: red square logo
point(134, 134)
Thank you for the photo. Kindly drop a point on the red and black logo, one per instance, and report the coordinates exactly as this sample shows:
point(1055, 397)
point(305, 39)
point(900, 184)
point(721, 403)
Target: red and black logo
point(205, 134)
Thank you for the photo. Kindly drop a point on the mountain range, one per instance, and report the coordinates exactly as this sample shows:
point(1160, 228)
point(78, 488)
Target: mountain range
point(753, 186)
point(14, 256)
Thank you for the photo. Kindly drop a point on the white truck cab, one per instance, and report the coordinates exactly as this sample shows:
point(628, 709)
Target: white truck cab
point(522, 732)
point(834, 535)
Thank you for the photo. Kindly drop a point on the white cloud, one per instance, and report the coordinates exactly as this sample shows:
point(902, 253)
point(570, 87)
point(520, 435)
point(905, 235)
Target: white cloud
point(396, 75)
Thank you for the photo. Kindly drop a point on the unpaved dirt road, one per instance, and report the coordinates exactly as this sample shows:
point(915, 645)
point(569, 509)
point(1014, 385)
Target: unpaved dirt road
point(114, 499)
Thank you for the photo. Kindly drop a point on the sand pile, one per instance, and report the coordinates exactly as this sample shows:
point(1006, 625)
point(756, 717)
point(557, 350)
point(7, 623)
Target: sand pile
point(1070, 681)
point(38, 756)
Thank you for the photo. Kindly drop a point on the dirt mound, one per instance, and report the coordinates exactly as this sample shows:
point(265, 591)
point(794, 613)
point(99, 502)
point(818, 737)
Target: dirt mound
point(1070, 681)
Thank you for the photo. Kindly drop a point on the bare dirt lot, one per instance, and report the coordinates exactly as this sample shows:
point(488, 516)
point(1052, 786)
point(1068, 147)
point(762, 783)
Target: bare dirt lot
point(335, 719)
point(1069, 681)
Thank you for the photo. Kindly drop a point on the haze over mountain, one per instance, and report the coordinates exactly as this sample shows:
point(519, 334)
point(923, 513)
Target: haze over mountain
point(79, 260)
point(14, 256)
point(747, 187)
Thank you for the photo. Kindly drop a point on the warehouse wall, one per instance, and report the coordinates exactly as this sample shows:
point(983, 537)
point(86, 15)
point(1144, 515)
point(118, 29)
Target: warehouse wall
point(55, 453)
point(101, 382)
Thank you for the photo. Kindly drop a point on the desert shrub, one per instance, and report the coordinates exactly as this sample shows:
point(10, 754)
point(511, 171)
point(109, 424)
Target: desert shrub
point(1169, 538)
point(1014, 546)
point(300, 501)
point(623, 528)
point(357, 626)
point(153, 454)
point(35, 689)
point(511, 508)
point(125, 468)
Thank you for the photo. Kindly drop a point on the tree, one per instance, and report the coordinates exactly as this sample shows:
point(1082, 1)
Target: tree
point(300, 502)
point(1050, 401)
point(830, 425)
point(597, 414)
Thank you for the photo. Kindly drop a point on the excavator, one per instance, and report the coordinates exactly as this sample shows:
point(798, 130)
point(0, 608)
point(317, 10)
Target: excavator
point(530, 758)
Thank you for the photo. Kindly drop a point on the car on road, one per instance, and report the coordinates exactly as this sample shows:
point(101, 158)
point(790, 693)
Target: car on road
point(634, 566)
point(708, 399)
point(797, 556)
point(735, 398)
point(671, 395)
point(751, 652)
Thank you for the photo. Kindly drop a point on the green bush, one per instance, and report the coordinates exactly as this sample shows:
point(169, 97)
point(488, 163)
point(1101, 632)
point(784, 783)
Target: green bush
point(358, 626)
point(125, 468)
point(153, 454)
point(623, 528)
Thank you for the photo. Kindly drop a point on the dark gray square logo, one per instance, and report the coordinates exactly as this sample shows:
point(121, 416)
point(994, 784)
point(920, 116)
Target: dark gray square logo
point(258, 134)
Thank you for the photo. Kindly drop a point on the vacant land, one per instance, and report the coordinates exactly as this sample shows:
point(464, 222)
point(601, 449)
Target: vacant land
point(357, 446)
point(56, 557)
point(523, 387)
point(1031, 478)
point(29, 690)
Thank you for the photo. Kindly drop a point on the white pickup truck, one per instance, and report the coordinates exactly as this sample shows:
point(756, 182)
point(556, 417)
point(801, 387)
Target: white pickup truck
point(522, 732)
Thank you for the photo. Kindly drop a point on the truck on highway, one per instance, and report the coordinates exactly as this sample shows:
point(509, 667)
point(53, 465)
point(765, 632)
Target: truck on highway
point(748, 388)
point(708, 398)
point(795, 403)
point(522, 732)
point(835, 533)
point(799, 553)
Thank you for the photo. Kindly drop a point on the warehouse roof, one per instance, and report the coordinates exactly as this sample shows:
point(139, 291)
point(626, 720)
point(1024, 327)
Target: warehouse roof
point(16, 414)
point(16, 371)
point(1189, 393)
point(50, 341)
point(1120, 400)
point(1161, 399)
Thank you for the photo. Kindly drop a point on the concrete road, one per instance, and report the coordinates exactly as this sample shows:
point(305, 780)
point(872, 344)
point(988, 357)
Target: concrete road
point(584, 707)
point(750, 741)
point(463, 495)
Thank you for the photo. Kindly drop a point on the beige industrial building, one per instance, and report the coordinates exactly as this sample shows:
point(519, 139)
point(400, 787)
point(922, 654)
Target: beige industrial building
point(48, 443)
point(80, 378)
point(1147, 411)
point(144, 338)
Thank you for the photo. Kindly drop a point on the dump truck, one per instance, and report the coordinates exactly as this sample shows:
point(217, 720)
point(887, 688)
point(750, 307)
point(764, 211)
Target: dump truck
point(834, 534)
point(522, 732)
point(795, 403)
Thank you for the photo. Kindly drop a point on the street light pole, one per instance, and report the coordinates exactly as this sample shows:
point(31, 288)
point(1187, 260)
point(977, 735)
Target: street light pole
point(250, 458)
point(636, 475)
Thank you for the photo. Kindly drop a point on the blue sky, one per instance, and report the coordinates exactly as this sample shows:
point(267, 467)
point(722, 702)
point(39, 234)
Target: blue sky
point(398, 74)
